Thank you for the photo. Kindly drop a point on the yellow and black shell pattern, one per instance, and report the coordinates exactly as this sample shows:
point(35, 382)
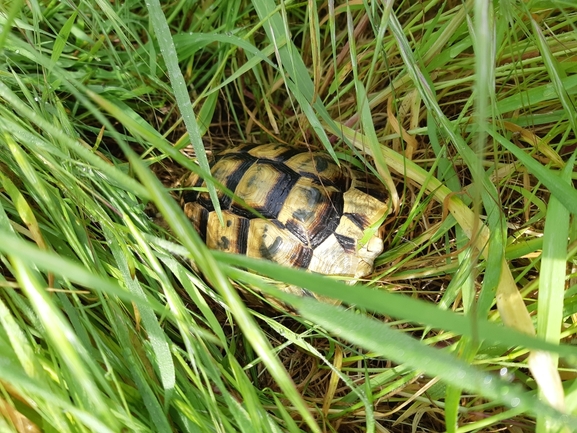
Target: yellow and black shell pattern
point(315, 212)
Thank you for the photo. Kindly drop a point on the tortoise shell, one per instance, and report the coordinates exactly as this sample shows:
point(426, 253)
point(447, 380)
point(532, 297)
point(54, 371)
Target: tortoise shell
point(315, 212)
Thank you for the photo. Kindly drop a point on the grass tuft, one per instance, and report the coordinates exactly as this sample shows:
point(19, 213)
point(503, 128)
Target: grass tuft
point(464, 110)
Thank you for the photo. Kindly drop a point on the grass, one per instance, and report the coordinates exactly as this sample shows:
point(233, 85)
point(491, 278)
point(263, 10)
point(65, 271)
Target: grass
point(465, 110)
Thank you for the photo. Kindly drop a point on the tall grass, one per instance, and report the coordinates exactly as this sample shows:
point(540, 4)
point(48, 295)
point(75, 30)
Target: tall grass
point(464, 110)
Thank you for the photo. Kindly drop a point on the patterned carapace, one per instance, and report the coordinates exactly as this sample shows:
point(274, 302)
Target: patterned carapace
point(315, 212)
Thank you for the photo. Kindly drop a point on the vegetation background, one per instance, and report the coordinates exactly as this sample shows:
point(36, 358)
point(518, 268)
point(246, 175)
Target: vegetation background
point(464, 109)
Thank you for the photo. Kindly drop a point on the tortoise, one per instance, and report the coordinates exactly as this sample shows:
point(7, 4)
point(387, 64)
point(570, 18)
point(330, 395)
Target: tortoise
point(315, 213)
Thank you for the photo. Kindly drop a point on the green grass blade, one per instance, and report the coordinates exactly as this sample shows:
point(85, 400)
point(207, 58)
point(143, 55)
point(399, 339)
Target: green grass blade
point(550, 301)
point(61, 336)
point(556, 75)
point(168, 51)
point(375, 336)
point(295, 72)
point(395, 305)
point(115, 175)
point(560, 189)
point(156, 336)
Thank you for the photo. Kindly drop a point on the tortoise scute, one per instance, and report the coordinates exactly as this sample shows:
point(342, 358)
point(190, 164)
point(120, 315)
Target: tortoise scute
point(367, 255)
point(264, 187)
point(273, 152)
point(331, 258)
point(310, 212)
point(369, 208)
point(231, 236)
point(266, 240)
point(316, 167)
point(198, 214)
point(315, 212)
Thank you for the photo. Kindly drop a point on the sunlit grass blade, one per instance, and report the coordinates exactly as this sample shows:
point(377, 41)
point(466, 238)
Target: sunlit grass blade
point(376, 336)
point(551, 293)
point(115, 175)
point(561, 190)
point(59, 333)
point(181, 94)
point(393, 304)
point(158, 339)
point(296, 78)
point(556, 74)
point(482, 30)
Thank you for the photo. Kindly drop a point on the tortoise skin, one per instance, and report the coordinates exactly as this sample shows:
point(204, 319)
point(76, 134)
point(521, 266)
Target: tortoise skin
point(315, 212)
